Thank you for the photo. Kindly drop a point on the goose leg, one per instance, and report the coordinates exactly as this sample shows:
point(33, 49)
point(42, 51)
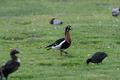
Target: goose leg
point(101, 62)
point(97, 63)
point(1, 76)
point(7, 78)
point(65, 52)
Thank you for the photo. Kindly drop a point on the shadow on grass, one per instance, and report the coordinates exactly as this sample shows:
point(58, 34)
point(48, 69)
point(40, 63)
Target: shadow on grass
point(65, 57)
point(23, 77)
point(89, 42)
point(12, 38)
point(118, 42)
point(70, 64)
point(45, 64)
point(23, 22)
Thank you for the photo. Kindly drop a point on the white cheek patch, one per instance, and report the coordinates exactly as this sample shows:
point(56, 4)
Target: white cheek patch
point(18, 60)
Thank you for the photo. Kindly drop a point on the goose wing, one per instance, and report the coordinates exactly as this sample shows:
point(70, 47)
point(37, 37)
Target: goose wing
point(57, 22)
point(11, 66)
point(57, 42)
point(99, 56)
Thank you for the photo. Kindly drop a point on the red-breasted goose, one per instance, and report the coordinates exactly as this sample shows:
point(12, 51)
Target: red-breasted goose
point(62, 43)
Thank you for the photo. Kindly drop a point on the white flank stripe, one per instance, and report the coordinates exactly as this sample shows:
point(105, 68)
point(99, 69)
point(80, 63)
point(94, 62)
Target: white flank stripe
point(58, 46)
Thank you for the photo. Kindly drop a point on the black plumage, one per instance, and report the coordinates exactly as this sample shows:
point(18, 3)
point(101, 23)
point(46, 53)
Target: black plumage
point(10, 66)
point(57, 42)
point(62, 43)
point(97, 57)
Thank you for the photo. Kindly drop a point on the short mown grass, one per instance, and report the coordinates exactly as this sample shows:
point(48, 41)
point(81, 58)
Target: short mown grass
point(24, 24)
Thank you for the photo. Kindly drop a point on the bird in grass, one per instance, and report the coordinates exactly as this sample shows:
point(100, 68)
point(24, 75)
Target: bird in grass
point(115, 12)
point(10, 66)
point(97, 57)
point(62, 43)
point(55, 21)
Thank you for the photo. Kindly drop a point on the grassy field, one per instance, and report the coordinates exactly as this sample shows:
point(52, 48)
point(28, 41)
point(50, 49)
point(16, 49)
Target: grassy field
point(24, 24)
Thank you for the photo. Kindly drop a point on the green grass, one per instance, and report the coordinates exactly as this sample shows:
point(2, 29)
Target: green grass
point(24, 24)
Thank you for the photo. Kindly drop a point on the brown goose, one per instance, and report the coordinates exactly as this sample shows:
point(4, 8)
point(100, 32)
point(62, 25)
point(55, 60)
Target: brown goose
point(10, 66)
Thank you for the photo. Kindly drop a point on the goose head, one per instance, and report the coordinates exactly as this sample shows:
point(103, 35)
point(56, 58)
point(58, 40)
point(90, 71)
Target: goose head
point(68, 28)
point(88, 61)
point(13, 53)
point(51, 22)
